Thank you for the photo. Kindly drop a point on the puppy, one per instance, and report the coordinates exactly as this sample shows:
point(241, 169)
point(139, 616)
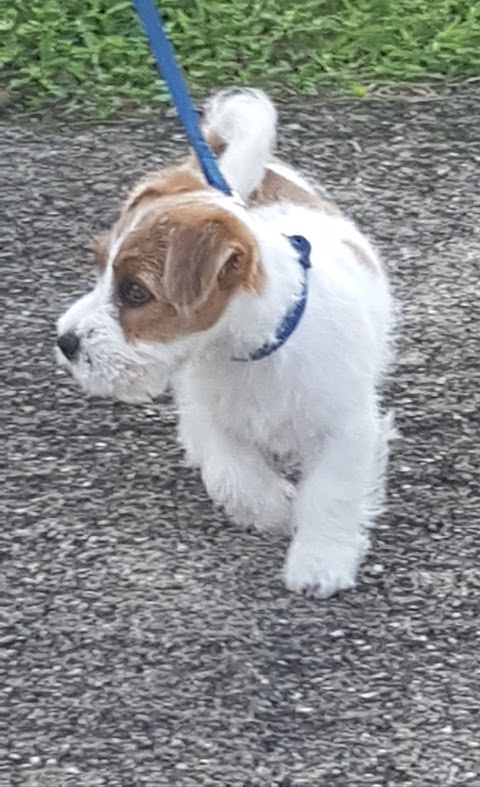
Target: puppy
point(268, 313)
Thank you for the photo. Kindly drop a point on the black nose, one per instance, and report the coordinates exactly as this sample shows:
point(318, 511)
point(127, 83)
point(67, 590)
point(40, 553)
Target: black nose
point(69, 344)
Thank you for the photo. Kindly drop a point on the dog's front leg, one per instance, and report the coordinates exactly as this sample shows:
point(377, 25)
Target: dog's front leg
point(330, 541)
point(235, 474)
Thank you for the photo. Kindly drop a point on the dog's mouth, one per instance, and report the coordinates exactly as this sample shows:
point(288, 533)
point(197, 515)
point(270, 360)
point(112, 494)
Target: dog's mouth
point(120, 379)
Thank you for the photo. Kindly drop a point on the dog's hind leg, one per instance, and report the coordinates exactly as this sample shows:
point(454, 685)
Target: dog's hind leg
point(374, 501)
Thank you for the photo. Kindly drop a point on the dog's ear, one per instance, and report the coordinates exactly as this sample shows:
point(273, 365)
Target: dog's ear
point(201, 257)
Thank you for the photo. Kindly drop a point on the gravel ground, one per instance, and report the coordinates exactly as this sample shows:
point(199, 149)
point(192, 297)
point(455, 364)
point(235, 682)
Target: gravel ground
point(149, 642)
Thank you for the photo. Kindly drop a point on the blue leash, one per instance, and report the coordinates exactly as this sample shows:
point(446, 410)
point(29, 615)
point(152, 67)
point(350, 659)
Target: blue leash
point(171, 73)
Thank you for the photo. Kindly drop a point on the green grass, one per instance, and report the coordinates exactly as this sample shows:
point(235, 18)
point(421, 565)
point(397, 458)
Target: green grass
point(92, 53)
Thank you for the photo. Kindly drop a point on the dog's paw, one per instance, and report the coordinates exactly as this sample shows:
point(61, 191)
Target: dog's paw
point(321, 569)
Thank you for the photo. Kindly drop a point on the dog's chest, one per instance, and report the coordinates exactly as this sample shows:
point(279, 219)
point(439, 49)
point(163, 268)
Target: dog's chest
point(257, 406)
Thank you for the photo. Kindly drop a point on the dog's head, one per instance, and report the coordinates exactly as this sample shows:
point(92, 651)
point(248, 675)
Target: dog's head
point(168, 269)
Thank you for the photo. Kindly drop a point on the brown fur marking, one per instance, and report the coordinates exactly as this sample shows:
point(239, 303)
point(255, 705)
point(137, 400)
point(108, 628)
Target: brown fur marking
point(275, 188)
point(191, 257)
point(100, 249)
point(174, 180)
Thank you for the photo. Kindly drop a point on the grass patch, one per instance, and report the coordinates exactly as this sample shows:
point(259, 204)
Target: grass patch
point(92, 53)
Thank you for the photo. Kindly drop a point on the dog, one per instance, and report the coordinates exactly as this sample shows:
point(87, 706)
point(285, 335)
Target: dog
point(268, 313)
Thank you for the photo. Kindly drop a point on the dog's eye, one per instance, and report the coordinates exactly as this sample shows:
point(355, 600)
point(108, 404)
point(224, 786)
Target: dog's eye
point(131, 293)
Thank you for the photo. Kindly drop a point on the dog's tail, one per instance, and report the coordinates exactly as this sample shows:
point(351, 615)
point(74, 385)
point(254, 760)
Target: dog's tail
point(240, 125)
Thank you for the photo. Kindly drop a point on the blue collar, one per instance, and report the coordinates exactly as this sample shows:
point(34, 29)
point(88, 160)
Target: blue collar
point(295, 312)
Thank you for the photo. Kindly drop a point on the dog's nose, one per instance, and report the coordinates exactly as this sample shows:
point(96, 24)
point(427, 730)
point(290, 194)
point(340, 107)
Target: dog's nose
point(69, 344)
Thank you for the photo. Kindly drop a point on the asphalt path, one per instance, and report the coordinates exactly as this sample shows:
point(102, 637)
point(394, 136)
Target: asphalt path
point(147, 641)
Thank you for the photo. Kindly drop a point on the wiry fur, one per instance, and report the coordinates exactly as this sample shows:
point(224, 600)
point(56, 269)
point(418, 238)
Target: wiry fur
point(315, 399)
point(228, 118)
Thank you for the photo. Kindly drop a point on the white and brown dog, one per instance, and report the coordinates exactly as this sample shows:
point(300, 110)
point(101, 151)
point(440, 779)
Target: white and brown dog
point(266, 356)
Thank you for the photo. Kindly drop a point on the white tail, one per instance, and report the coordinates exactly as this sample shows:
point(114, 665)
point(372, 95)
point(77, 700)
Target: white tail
point(244, 120)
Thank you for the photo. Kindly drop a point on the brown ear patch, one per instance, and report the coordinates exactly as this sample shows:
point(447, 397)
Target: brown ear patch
point(209, 249)
point(197, 258)
point(192, 256)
